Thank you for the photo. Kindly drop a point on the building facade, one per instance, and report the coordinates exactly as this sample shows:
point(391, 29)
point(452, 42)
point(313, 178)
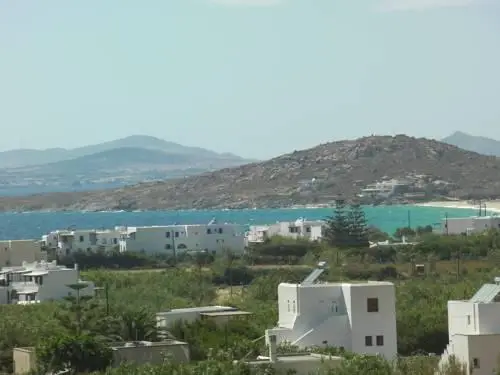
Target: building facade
point(66, 242)
point(41, 281)
point(14, 253)
point(301, 228)
point(176, 239)
point(469, 225)
point(359, 317)
point(474, 331)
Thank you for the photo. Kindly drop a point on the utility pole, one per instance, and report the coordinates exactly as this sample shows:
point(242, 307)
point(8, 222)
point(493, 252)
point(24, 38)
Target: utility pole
point(409, 219)
point(173, 245)
point(446, 223)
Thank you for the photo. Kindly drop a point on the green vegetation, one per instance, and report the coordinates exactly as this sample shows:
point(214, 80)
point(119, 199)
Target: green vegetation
point(77, 333)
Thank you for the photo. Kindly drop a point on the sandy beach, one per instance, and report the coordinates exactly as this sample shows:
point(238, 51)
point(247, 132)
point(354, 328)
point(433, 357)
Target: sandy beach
point(491, 206)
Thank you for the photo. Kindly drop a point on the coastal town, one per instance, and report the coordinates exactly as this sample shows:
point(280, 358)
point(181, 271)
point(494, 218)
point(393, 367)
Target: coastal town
point(250, 187)
point(357, 317)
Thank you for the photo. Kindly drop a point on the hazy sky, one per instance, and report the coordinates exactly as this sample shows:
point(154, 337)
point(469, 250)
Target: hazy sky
point(253, 77)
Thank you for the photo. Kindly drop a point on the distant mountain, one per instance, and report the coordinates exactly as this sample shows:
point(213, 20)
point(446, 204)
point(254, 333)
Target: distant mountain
point(481, 145)
point(317, 175)
point(117, 163)
point(27, 157)
point(129, 160)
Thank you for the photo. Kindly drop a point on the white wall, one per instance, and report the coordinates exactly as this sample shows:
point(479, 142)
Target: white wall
point(457, 225)
point(312, 230)
point(381, 323)
point(336, 315)
point(476, 224)
point(462, 318)
point(182, 238)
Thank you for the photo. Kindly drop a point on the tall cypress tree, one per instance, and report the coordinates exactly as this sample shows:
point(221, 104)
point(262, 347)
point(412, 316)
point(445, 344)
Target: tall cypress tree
point(337, 229)
point(358, 228)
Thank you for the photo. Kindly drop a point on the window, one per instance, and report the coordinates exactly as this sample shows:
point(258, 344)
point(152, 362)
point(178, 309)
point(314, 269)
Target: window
point(81, 239)
point(335, 308)
point(294, 229)
point(293, 308)
point(468, 320)
point(372, 304)
point(308, 229)
point(168, 246)
point(176, 234)
point(380, 340)
point(115, 240)
point(181, 246)
point(368, 341)
point(288, 301)
point(209, 231)
point(220, 230)
point(167, 234)
point(475, 362)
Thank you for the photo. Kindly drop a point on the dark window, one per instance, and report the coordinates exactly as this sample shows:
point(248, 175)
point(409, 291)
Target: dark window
point(220, 230)
point(475, 362)
point(115, 241)
point(176, 234)
point(368, 341)
point(167, 234)
point(308, 229)
point(380, 340)
point(181, 246)
point(168, 246)
point(209, 231)
point(372, 304)
point(81, 238)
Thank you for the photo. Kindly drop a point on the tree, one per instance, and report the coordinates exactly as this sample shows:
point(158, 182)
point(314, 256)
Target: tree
point(337, 228)
point(79, 354)
point(358, 229)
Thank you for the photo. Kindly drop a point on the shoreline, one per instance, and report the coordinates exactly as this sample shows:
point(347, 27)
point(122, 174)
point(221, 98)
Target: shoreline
point(491, 206)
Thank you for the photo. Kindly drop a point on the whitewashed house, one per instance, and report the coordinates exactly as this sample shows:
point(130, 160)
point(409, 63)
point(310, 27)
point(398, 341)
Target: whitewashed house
point(40, 281)
point(301, 228)
point(359, 317)
point(66, 242)
point(15, 252)
point(176, 239)
point(474, 331)
point(469, 225)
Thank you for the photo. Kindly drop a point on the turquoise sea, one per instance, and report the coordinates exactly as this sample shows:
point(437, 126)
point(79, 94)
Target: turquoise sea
point(35, 224)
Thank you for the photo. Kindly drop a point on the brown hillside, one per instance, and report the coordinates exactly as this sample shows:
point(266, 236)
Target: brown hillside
point(336, 166)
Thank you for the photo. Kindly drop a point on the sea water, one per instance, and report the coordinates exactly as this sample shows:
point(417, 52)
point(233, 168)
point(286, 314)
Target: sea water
point(32, 225)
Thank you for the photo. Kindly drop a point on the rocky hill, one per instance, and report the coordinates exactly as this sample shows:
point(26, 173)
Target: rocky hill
point(315, 175)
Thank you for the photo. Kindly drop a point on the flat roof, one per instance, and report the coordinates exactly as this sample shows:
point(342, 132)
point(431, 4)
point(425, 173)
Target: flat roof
point(226, 313)
point(201, 309)
point(304, 357)
point(350, 283)
point(37, 273)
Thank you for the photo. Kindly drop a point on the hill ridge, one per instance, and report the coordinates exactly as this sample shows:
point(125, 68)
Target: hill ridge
point(312, 176)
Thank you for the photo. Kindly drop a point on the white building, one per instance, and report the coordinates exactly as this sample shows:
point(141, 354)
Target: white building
point(67, 241)
point(301, 228)
point(15, 252)
point(175, 239)
point(469, 225)
point(474, 330)
point(40, 281)
point(359, 317)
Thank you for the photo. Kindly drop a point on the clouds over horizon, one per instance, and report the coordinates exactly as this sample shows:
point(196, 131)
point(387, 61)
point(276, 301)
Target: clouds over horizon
point(422, 5)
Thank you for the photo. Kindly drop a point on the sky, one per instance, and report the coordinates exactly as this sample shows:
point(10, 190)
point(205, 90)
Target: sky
point(253, 77)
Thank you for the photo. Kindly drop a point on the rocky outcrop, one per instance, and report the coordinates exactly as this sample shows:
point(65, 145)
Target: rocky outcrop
point(316, 175)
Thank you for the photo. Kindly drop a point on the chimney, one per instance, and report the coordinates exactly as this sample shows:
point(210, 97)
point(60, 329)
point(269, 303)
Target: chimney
point(76, 266)
point(273, 356)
